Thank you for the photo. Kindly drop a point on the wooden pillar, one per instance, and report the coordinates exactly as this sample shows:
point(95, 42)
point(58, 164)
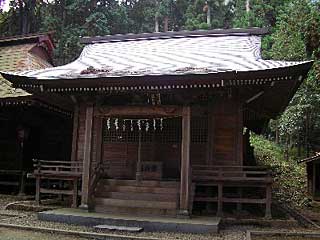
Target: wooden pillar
point(239, 149)
point(185, 179)
point(210, 140)
point(75, 133)
point(87, 157)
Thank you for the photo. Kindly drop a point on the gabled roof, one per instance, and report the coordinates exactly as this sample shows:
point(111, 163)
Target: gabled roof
point(16, 55)
point(171, 54)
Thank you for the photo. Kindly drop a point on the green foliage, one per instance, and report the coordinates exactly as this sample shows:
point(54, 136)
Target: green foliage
point(196, 14)
point(296, 37)
point(289, 177)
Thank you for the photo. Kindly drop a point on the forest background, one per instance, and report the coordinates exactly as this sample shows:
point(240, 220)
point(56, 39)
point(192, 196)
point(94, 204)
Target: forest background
point(294, 36)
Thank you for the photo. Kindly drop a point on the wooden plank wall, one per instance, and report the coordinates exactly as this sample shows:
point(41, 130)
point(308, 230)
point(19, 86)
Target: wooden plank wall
point(225, 149)
point(226, 133)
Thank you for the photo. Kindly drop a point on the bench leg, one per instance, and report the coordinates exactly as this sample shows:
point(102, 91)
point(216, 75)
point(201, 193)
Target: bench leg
point(220, 202)
point(22, 184)
point(75, 194)
point(38, 190)
point(239, 205)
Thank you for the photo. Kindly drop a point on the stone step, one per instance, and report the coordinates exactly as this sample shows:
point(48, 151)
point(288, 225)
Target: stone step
point(144, 183)
point(135, 203)
point(134, 189)
point(161, 197)
point(118, 228)
point(134, 211)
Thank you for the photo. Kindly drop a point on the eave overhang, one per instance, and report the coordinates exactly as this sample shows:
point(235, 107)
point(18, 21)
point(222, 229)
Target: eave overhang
point(163, 82)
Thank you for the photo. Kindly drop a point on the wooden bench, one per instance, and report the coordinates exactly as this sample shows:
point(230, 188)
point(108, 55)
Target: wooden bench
point(63, 171)
point(233, 176)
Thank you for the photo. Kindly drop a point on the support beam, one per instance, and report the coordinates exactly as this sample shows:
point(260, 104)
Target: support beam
point(87, 157)
point(185, 179)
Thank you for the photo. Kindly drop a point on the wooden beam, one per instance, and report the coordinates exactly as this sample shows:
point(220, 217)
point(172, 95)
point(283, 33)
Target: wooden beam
point(75, 133)
point(87, 157)
point(185, 179)
point(148, 111)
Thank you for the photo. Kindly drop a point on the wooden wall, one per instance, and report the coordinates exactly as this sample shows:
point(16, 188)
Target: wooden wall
point(216, 139)
point(226, 133)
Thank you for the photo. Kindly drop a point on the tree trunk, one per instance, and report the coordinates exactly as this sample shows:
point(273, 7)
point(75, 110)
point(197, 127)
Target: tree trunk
point(208, 16)
point(166, 24)
point(277, 132)
point(156, 25)
point(247, 6)
point(248, 10)
point(286, 151)
point(307, 132)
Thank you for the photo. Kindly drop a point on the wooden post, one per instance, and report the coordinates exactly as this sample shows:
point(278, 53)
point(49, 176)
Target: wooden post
point(314, 177)
point(268, 201)
point(185, 178)
point(87, 157)
point(38, 190)
point(22, 184)
point(139, 170)
point(239, 150)
point(75, 193)
point(239, 205)
point(220, 200)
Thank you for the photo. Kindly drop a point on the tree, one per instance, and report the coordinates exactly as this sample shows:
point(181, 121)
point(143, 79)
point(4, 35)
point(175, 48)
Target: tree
point(296, 38)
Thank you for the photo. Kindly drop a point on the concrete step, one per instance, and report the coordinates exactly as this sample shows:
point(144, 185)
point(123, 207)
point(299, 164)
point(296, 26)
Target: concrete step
point(195, 225)
point(160, 197)
point(135, 203)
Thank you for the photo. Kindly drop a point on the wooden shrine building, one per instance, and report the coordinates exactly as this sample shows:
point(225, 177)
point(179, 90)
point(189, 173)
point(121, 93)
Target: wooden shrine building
point(30, 126)
point(161, 119)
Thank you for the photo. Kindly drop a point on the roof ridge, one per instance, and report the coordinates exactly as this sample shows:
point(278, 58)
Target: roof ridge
point(172, 34)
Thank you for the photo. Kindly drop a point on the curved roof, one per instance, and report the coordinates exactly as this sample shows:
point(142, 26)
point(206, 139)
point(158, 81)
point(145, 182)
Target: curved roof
point(184, 54)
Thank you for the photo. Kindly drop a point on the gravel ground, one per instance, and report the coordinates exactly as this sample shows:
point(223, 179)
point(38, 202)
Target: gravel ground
point(24, 218)
point(10, 234)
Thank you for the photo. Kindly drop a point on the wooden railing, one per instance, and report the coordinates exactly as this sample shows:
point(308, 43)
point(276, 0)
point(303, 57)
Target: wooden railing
point(62, 171)
point(57, 167)
point(230, 173)
point(233, 176)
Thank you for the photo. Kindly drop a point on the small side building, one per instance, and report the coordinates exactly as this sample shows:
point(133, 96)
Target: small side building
point(313, 176)
point(30, 126)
